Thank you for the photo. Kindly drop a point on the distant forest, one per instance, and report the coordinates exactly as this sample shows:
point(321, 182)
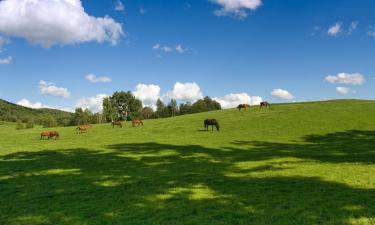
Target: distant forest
point(120, 106)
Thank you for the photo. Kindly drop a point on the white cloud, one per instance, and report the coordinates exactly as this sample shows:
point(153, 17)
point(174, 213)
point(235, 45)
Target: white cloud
point(119, 6)
point(94, 103)
point(344, 90)
point(148, 94)
point(178, 48)
point(353, 27)
point(237, 8)
point(50, 89)
point(234, 99)
point(335, 29)
point(142, 11)
point(26, 103)
point(37, 105)
point(347, 78)
point(94, 79)
point(282, 94)
point(371, 33)
point(6, 61)
point(185, 92)
point(50, 22)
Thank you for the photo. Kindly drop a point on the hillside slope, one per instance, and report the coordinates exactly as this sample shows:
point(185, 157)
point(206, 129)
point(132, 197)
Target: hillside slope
point(12, 112)
point(301, 163)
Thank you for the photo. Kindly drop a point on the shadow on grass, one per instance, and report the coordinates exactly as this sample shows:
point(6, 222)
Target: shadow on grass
point(153, 183)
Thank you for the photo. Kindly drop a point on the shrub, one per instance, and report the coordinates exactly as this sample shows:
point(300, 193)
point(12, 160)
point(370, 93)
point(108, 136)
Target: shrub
point(19, 126)
point(29, 125)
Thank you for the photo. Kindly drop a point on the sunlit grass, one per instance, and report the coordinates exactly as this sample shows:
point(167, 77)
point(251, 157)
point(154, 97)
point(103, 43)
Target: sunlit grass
point(303, 163)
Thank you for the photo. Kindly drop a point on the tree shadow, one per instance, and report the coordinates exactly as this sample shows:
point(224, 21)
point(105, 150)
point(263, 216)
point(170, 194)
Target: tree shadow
point(353, 146)
point(154, 183)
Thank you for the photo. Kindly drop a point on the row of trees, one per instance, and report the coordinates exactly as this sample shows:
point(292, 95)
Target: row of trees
point(118, 107)
point(124, 106)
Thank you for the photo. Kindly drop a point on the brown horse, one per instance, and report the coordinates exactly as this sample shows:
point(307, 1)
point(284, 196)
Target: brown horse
point(137, 122)
point(212, 123)
point(117, 124)
point(243, 106)
point(49, 135)
point(265, 104)
point(82, 129)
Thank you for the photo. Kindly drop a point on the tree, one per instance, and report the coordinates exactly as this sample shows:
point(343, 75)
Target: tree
point(160, 108)
point(173, 107)
point(49, 121)
point(147, 112)
point(121, 106)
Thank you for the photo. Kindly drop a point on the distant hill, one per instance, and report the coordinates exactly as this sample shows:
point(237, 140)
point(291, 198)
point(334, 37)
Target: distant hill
point(12, 112)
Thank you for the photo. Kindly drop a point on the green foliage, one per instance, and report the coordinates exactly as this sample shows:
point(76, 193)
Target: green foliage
point(147, 113)
point(30, 124)
point(19, 125)
point(121, 106)
point(49, 121)
point(297, 164)
point(12, 113)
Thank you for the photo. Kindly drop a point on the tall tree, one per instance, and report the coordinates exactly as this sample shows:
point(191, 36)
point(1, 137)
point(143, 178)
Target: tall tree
point(121, 106)
point(160, 108)
point(173, 107)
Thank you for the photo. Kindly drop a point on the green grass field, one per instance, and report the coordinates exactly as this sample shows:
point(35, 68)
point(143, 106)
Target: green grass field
point(302, 163)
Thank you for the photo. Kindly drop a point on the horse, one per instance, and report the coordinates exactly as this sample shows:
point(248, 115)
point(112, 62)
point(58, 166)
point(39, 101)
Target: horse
point(211, 122)
point(117, 124)
point(82, 129)
point(137, 122)
point(265, 104)
point(49, 135)
point(243, 106)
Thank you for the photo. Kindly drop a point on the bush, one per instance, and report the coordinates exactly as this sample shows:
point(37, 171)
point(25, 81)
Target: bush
point(19, 126)
point(29, 125)
point(49, 121)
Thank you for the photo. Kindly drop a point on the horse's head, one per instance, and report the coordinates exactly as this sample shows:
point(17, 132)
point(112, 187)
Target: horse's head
point(217, 125)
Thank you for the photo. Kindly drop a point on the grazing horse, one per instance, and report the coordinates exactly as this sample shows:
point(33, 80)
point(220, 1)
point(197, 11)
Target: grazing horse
point(243, 106)
point(137, 122)
point(212, 123)
point(49, 135)
point(117, 124)
point(82, 129)
point(265, 104)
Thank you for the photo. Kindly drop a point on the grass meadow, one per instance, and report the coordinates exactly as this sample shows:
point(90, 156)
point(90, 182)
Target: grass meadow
point(292, 164)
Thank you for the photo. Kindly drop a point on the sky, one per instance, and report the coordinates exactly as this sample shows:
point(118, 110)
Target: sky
point(70, 53)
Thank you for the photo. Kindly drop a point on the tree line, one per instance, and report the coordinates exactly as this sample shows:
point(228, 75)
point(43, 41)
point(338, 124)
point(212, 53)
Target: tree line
point(121, 106)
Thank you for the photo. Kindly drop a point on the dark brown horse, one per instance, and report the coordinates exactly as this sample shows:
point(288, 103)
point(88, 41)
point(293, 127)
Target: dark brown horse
point(117, 124)
point(243, 106)
point(265, 104)
point(137, 122)
point(49, 135)
point(212, 123)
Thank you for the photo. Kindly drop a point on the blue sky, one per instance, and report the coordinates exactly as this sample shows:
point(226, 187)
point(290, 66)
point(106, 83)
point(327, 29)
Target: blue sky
point(232, 50)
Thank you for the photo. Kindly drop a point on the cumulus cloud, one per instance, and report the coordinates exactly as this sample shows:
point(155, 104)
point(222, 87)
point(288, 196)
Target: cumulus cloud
point(94, 79)
point(119, 6)
point(6, 61)
point(37, 105)
point(237, 8)
point(234, 99)
point(185, 92)
point(94, 103)
point(50, 22)
point(335, 29)
point(147, 92)
point(47, 88)
point(282, 94)
point(26, 103)
point(344, 90)
point(346, 78)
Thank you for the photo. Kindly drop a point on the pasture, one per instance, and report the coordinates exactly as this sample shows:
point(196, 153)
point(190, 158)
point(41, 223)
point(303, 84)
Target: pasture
point(301, 163)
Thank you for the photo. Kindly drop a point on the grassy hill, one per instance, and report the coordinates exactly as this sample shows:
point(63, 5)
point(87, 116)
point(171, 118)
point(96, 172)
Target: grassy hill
point(13, 112)
point(301, 163)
